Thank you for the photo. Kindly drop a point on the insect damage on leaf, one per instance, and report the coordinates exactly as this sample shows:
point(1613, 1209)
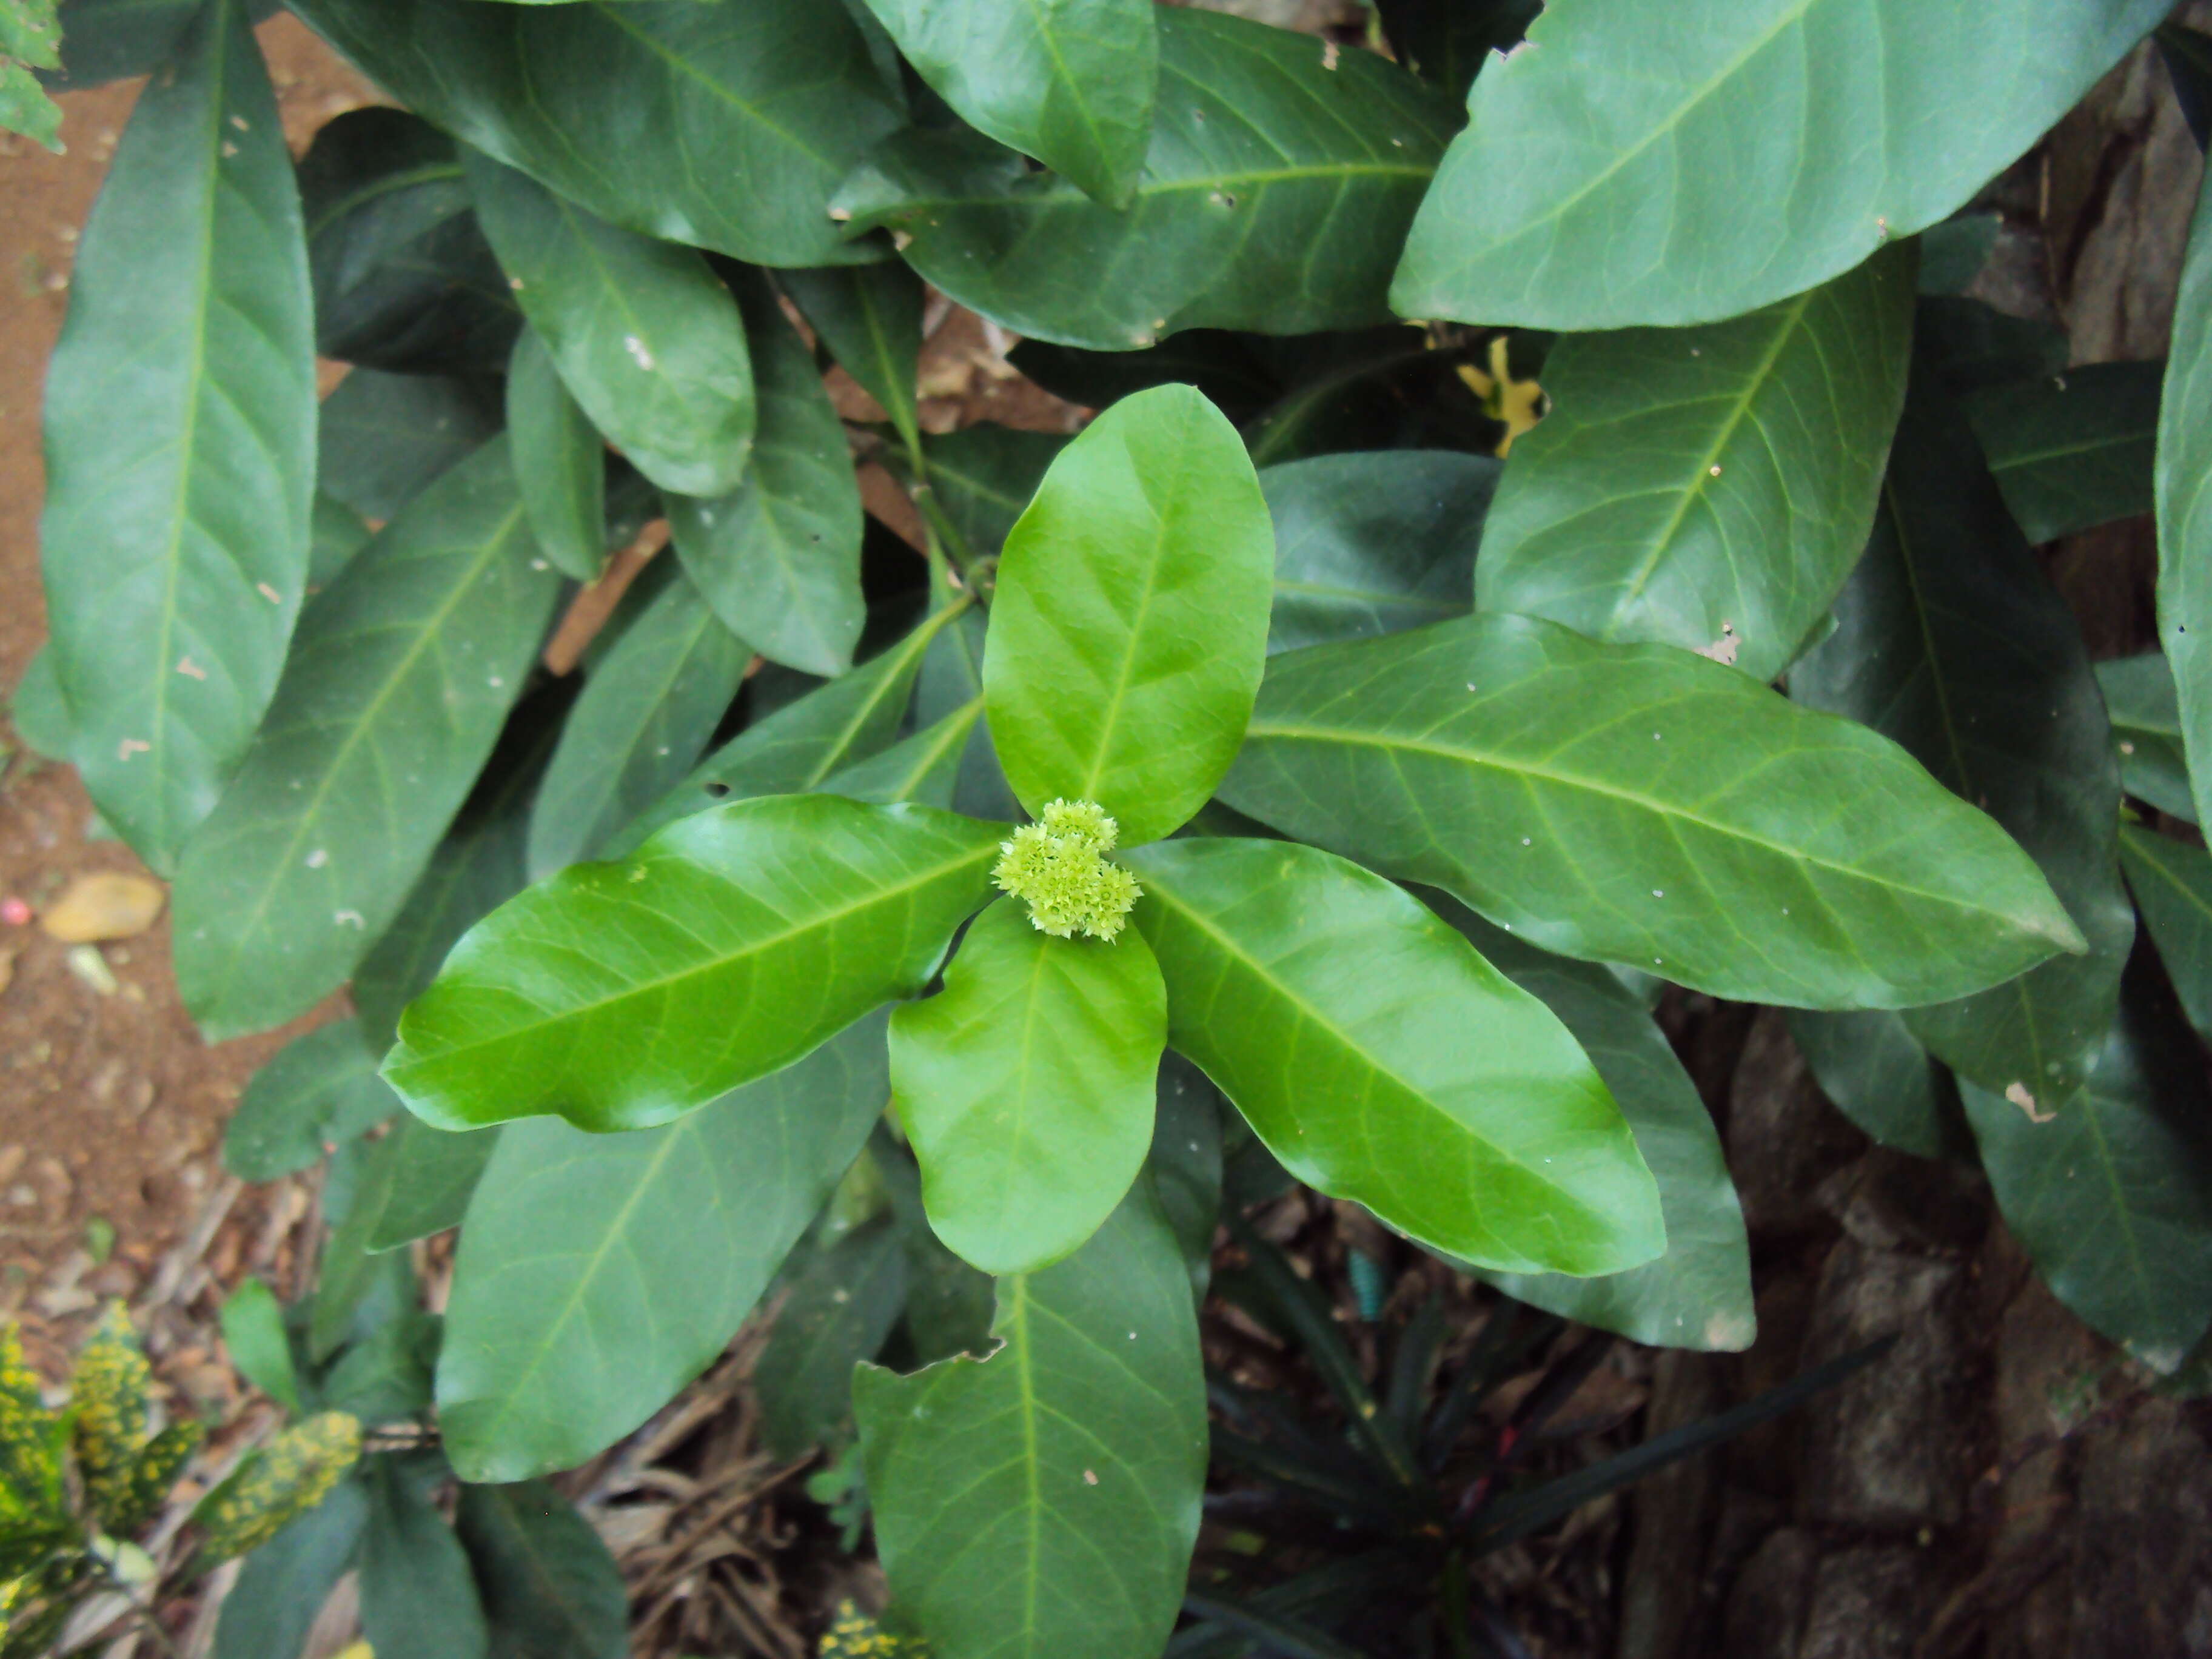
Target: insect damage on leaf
point(1058, 868)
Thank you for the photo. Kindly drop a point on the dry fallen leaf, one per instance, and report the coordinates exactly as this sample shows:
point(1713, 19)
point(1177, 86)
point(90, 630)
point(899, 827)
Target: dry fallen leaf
point(104, 906)
point(87, 964)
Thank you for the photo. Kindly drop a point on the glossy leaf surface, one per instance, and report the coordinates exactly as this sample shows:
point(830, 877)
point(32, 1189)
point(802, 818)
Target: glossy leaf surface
point(560, 462)
point(2072, 451)
point(1640, 803)
point(621, 995)
point(644, 112)
point(550, 1590)
point(2146, 714)
point(1282, 174)
point(869, 317)
point(1025, 1087)
point(1041, 1502)
point(642, 331)
point(840, 1306)
point(396, 689)
point(179, 444)
point(1382, 1060)
point(2183, 484)
point(1709, 488)
point(2172, 884)
point(386, 438)
point(598, 1274)
point(1691, 162)
point(1876, 1074)
point(1130, 619)
point(318, 1091)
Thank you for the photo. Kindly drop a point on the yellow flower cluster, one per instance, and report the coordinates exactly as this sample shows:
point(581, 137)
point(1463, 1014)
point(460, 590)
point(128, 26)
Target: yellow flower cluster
point(1058, 868)
point(852, 1635)
point(109, 1393)
point(27, 1434)
point(294, 1472)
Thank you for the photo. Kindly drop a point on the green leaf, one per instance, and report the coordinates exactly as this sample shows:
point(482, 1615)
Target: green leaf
point(386, 438)
point(1282, 174)
point(2146, 714)
point(1972, 345)
point(780, 95)
point(2111, 1194)
point(839, 1310)
point(923, 768)
point(550, 1590)
point(598, 1274)
point(1952, 254)
point(1876, 1072)
point(643, 332)
point(1069, 82)
point(1372, 544)
point(1708, 488)
point(318, 1091)
point(1043, 1502)
point(384, 1376)
point(983, 476)
point(2172, 884)
point(1953, 643)
point(353, 1286)
point(560, 462)
point(621, 995)
point(1130, 620)
point(403, 277)
point(869, 317)
point(179, 444)
point(417, 1595)
point(402, 674)
point(337, 533)
point(1382, 1060)
point(259, 1347)
point(36, 710)
point(2072, 451)
point(32, 39)
point(274, 1602)
point(2182, 482)
point(1640, 803)
point(1689, 162)
point(778, 554)
point(650, 706)
point(434, 1173)
point(105, 41)
point(1698, 1295)
point(1025, 1087)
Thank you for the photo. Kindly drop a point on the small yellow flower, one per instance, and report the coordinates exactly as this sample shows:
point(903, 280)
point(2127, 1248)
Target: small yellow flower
point(1058, 868)
point(1518, 404)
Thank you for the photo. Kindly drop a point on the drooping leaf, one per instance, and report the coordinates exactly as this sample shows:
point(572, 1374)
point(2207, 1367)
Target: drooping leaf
point(560, 462)
point(1041, 1502)
point(1640, 803)
point(869, 317)
point(1025, 1087)
point(1382, 1060)
point(1691, 162)
point(434, 1173)
point(179, 444)
point(1709, 488)
point(403, 277)
point(1876, 1074)
point(645, 113)
point(2183, 484)
point(386, 438)
point(1070, 82)
point(550, 1590)
point(778, 553)
point(642, 331)
point(1698, 1295)
point(402, 672)
point(417, 1594)
point(649, 707)
point(1282, 174)
point(598, 1274)
point(2172, 886)
point(283, 1584)
point(2073, 450)
point(1130, 619)
point(1953, 643)
point(318, 1091)
point(1371, 543)
point(840, 1306)
point(260, 1348)
point(2146, 714)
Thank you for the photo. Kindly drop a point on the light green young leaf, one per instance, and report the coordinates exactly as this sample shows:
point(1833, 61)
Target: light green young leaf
point(1129, 623)
point(869, 317)
point(2072, 451)
point(2183, 483)
point(1382, 1060)
point(1709, 488)
point(1640, 803)
point(30, 39)
point(560, 462)
point(318, 1091)
point(179, 444)
point(1679, 164)
point(2145, 710)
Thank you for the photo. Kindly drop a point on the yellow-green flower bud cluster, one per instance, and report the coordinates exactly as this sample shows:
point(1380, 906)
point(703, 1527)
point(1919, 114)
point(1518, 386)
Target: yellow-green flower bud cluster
point(1058, 868)
point(292, 1473)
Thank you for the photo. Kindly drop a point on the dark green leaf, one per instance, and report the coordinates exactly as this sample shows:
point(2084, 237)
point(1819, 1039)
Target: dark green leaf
point(317, 1092)
point(106, 40)
point(983, 476)
point(645, 113)
point(1130, 619)
point(386, 438)
point(402, 672)
point(2072, 451)
point(284, 1583)
point(1382, 1060)
point(642, 331)
point(1875, 1071)
point(2183, 483)
point(1041, 1502)
point(434, 1173)
point(354, 1287)
point(1640, 804)
point(1972, 345)
point(1282, 174)
point(1373, 543)
point(1708, 488)
point(1685, 163)
point(839, 1310)
point(2172, 884)
point(337, 533)
point(2146, 715)
point(1185, 1160)
point(1953, 643)
point(179, 444)
point(1447, 41)
point(1233, 370)
point(2187, 54)
point(1952, 254)
point(417, 1595)
point(560, 462)
point(778, 554)
point(384, 1376)
point(923, 768)
point(550, 1590)
point(598, 1274)
point(253, 1335)
point(869, 317)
